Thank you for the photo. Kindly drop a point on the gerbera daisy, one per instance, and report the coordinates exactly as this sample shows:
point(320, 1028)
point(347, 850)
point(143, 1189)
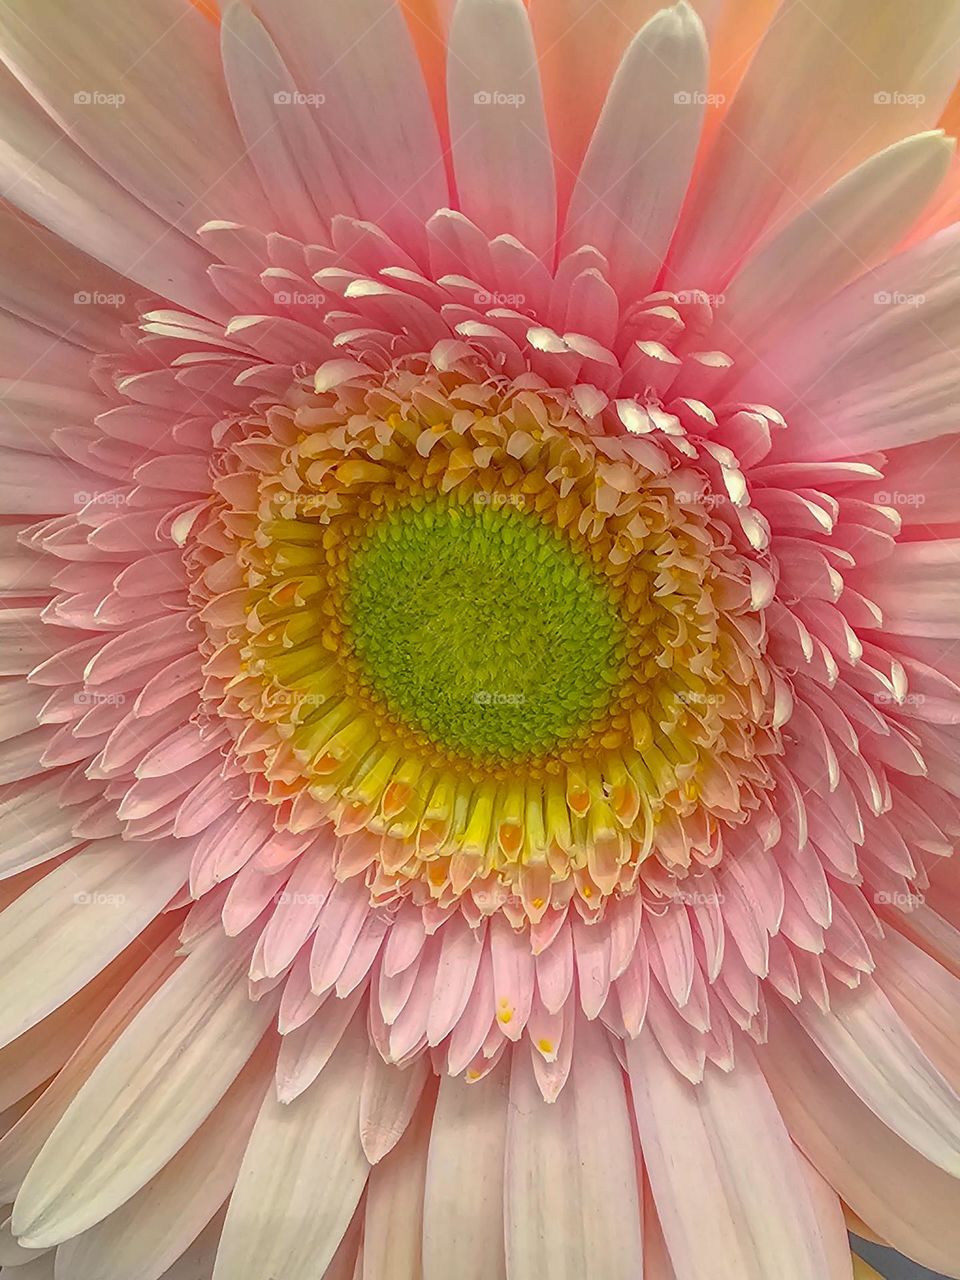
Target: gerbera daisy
point(481, 697)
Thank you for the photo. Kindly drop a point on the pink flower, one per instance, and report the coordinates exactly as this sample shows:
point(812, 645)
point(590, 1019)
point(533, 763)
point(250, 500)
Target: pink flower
point(480, 596)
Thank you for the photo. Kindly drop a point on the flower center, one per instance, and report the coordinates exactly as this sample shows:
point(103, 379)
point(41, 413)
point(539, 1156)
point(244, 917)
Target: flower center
point(481, 626)
point(502, 654)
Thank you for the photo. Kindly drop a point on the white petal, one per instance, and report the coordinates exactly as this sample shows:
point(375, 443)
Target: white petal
point(34, 827)
point(729, 1190)
point(58, 935)
point(37, 1055)
point(901, 1196)
point(302, 1176)
point(147, 1096)
point(927, 996)
point(40, 1269)
point(140, 90)
point(145, 1236)
point(579, 45)
point(387, 1101)
point(197, 1262)
point(501, 151)
point(829, 1213)
point(306, 1050)
point(874, 368)
point(393, 1223)
point(866, 1041)
point(49, 283)
point(638, 165)
point(278, 123)
point(840, 235)
point(918, 588)
point(808, 111)
point(572, 1206)
point(463, 1205)
point(21, 1144)
point(52, 180)
point(357, 57)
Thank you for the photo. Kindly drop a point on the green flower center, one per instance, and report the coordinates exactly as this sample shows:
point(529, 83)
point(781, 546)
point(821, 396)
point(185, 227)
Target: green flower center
point(483, 627)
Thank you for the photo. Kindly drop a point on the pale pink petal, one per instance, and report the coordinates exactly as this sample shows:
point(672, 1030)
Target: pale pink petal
point(147, 1096)
point(636, 170)
point(303, 1173)
point(76, 920)
point(50, 179)
point(847, 230)
point(805, 113)
point(501, 152)
point(903, 1197)
point(393, 1222)
point(729, 1190)
point(155, 1227)
point(572, 1162)
point(467, 1148)
point(359, 59)
point(112, 95)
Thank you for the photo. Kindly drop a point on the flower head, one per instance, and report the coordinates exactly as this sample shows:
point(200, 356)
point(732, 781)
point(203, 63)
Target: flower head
point(480, 549)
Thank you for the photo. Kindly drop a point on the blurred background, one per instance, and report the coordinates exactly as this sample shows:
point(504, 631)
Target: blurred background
point(890, 1264)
